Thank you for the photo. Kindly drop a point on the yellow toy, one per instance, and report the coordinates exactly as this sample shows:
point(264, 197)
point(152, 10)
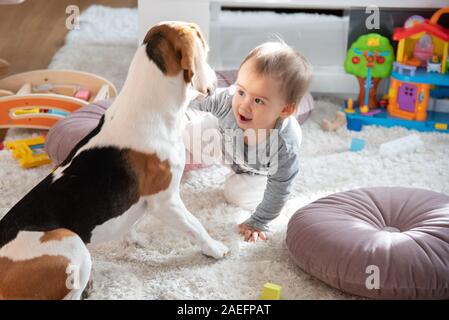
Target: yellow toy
point(26, 151)
point(364, 109)
point(271, 291)
point(350, 108)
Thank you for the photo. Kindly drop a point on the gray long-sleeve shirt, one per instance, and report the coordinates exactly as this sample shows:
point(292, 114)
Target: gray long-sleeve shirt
point(277, 156)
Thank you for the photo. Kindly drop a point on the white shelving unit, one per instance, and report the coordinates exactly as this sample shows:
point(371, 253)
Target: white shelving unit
point(328, 38)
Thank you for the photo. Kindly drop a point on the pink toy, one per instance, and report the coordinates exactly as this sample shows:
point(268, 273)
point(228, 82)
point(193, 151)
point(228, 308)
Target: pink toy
point(424, 49)
point(83, 94)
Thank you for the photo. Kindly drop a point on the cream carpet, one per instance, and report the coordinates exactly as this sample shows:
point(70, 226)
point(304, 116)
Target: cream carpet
point(168, 266)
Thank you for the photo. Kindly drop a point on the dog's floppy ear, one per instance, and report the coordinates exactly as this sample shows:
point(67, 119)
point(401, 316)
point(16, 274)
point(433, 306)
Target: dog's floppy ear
point(204, 47)
point(198, 33)
point(171, 47)
point(204, 79)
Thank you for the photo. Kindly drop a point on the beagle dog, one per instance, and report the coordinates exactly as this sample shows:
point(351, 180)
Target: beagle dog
point(129, 165)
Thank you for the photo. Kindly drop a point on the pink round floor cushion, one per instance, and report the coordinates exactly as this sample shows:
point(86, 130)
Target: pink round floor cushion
point(66, 133)
point(382, 243)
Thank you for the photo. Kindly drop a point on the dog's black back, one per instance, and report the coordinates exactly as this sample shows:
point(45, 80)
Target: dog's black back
point(97, 186)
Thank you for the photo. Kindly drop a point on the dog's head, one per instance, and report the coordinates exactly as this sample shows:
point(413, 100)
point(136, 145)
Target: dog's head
point(176, 47)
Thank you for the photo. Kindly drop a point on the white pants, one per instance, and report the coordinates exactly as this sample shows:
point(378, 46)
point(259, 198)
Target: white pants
point(242, 190)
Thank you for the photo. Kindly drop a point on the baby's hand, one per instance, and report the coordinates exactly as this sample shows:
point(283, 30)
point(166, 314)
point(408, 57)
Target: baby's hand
point(251, 234)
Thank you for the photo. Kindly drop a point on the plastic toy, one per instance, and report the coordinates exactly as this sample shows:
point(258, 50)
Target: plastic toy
point(424, 47)
point(370, 58)
point(271, 291)
point(419, 83)
point(428, 42)
point(340, 120)
point(434, 64)
point(29, 152)
point(404, 68)
point(349, 106)
point(364, 109)
point(357, 144)
point(83, 94)
point(404, 144)
point(372, 112)
point(38, 99)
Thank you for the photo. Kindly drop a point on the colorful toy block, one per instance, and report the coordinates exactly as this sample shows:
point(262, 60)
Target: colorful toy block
point(271, 291)
point(83, 94)
point(357, 144)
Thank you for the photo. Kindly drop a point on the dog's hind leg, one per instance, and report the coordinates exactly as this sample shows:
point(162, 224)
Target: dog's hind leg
point(79, 275)
point(44, 265)
point(175, 214)
point(79, 270)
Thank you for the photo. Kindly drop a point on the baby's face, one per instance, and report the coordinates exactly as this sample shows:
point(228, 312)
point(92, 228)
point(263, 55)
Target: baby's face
point(257, 102)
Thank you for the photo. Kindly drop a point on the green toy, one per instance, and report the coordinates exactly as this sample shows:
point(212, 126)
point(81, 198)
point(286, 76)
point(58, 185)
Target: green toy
point(370, 59)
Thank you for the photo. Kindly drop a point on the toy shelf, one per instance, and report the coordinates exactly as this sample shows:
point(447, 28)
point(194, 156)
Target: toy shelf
point(40, 77)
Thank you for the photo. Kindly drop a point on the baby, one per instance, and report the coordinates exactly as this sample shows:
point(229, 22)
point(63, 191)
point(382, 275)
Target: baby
point(255, 119)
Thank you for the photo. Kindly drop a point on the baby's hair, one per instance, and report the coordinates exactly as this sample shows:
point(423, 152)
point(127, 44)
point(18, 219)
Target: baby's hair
point(290, 68)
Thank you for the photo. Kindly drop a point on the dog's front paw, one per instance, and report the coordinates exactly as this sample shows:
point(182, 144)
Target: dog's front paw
point(215, 249)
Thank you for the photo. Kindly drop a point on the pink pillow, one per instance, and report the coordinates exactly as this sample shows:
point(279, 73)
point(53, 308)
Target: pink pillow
point(383, 243)
point(66, 133)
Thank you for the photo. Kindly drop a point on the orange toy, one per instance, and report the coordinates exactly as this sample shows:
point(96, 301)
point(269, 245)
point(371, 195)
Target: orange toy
point(409, 94)
point(414, 62)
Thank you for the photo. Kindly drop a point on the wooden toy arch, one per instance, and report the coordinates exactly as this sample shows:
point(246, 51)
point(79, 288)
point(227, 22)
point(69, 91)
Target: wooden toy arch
point(21, 85)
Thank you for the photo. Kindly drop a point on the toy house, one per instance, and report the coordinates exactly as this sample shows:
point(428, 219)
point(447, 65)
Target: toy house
point(420, 68)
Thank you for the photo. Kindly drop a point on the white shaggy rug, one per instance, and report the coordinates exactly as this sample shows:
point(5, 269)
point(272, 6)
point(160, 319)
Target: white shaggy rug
point(168, 266)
